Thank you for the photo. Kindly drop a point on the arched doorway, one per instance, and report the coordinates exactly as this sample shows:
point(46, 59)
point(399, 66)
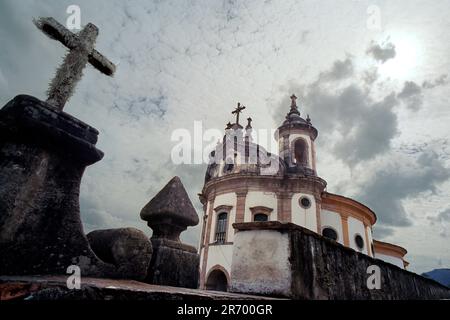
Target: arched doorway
point(217, 281)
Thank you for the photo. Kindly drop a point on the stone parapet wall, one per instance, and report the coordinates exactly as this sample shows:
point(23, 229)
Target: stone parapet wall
point(305, 265)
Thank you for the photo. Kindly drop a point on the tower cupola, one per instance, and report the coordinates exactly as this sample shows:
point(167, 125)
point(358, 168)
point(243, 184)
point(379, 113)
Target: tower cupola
point(296, 138)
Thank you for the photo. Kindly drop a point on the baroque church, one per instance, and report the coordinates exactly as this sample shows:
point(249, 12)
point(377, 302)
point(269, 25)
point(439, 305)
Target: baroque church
point(245, 183)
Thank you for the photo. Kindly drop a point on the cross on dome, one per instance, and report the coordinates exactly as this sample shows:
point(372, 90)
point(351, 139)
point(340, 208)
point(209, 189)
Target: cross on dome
point(237, 111)
point(293, 100)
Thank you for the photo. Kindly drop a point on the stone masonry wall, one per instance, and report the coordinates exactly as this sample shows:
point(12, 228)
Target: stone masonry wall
point(321, 268)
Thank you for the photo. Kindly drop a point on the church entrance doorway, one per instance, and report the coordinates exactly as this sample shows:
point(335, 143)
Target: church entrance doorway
point(217, 281)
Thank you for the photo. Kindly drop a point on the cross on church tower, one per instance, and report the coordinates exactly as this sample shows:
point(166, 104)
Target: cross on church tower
point(293, 101)
point(81, 46)
point(294, 109)
point(237, 111)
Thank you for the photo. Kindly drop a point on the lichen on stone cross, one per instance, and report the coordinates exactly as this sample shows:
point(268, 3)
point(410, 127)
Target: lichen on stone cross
point(81, 46)
point(237, 111)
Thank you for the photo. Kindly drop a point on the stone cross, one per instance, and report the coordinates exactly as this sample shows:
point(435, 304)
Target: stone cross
point(293, 101)
point(81, 46)
point(237, 111)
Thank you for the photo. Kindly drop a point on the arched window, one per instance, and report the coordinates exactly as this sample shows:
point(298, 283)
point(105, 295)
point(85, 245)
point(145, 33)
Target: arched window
point(221, 227)
point(260, 217)
point(330, 233)
point(261, 213)
point(301, 152)
point(228, 165)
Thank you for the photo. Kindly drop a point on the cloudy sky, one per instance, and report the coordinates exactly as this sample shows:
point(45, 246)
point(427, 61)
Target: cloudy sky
point(371, 75)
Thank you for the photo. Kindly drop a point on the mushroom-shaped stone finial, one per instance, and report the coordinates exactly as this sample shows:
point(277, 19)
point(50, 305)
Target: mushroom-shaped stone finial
point(170, 212)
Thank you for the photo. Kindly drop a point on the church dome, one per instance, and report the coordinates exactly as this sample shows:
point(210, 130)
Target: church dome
point(243, 157)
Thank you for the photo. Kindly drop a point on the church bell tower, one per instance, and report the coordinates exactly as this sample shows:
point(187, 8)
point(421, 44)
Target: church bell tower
point(296, 138)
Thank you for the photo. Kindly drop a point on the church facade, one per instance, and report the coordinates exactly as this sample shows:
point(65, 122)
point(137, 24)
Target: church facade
point(244, 183)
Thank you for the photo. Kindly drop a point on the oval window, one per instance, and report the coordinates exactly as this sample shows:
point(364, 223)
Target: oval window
point(330, 233)
point(359, 242)
point(305, 203)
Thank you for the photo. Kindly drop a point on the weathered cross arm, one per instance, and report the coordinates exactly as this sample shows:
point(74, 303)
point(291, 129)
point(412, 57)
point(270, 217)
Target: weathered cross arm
point(81, 52)
point(56, 31)
point(237, 111)
point(100, 62)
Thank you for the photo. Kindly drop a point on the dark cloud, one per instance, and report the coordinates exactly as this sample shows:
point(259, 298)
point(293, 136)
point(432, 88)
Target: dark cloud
point(444, 216)
point(372, 134)
point(397, 181)
point(411, 95)
point(355, 127)
point(370, 76)
point(440, 81)
point(364, 126)
point(442, 219)
point(341, 69)
point(95, 217)
point(410, 89)
point(382, 53)
point(381, 232)
point(192, 176)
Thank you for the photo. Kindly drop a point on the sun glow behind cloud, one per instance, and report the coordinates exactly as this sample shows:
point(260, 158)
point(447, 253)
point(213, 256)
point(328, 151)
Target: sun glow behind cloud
point(408, 58)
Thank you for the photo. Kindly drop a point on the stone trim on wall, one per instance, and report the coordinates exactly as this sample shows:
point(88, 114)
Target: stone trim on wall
point(240, 206)
point(260, 209)
point(345, 235)
point(244, 182)
point(389, 249)
point(318, 218)
point(284, 206)
point(206, 243)
point(313, 155)
point(292, 129)
point(223, 208)
point(350, 207)
point(368, 244)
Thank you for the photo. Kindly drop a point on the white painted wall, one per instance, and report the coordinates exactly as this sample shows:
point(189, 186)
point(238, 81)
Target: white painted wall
point(228, 199)
point(390, 259)
point(261, 263)
point(260, 198)
point(332, 219)
point(294, 136)
point(221, 255)
point(304, 217)
point(356, 227)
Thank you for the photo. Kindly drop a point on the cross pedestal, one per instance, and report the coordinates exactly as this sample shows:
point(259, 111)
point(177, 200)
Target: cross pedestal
point(43, 154)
